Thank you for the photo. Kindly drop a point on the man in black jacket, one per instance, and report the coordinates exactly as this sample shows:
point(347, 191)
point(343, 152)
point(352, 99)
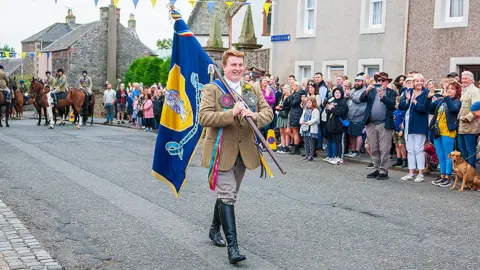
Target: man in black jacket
point(379, 121)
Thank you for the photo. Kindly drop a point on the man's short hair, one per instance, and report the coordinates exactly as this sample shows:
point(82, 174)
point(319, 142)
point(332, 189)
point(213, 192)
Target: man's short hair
point(231, 53)
point(319, 73)
point(1, 67)
point(291, 76)
point(361, 74)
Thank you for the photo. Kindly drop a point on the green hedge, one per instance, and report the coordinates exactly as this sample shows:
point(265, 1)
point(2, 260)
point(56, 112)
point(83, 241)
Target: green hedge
point(148, 70)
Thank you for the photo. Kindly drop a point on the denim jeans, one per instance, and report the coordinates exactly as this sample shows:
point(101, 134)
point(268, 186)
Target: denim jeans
point(109, 111)
point(467, 145)
point(320, 138)
point(331, 148)
point(444, 146)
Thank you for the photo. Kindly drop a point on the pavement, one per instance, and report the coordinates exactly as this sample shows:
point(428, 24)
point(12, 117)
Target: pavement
point(89, 199)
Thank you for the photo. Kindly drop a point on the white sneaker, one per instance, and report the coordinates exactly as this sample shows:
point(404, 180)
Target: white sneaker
point(349, 154)
point(327, 159)
point(408, 177)
point(419, 178)
point(339, 161)
point(333, 161)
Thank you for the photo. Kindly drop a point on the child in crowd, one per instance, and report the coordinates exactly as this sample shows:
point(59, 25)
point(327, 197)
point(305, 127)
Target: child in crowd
point(129, 106)
point(398, 138)
point(431, 158)
point(134, 112)
point(309, 127)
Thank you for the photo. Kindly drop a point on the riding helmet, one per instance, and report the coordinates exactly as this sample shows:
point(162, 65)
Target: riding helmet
point(1, 67)
point(22, 81)
point(85, 72)
point(48, 72)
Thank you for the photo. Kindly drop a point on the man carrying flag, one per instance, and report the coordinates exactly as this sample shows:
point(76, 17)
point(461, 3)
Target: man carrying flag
point(226, 128)
point(191, 104)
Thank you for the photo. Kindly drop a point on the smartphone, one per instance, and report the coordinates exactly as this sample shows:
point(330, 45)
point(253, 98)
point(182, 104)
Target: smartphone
point(377, 85)
point(331, 99)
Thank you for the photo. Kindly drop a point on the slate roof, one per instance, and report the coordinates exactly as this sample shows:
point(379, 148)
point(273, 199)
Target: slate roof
point(70, 38)
point(200, 19)
point(51, 33)
point(10, 65)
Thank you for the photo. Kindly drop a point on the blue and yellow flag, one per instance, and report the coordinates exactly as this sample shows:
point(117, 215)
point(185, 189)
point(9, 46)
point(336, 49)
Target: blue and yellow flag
point(179, 131)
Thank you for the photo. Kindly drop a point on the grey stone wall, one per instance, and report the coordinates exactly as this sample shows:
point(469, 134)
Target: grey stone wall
point(90, 53)
point(59, 60)
point(429, 50)
point(28, 61)
point(258, 58)
point(128, 49)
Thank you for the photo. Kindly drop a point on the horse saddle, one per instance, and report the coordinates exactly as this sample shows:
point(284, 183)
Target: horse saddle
point(61, 95)
point(87, 91)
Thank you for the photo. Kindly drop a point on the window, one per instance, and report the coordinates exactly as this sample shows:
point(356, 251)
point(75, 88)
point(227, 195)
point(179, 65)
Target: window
point(375, 17)
point(306, 18)
point(304, 70)
point(370, 66)
point(451, 13)
point(460, 64)
point(330, 69)
point(372, 16)
point(267, 20)
point(309, 16)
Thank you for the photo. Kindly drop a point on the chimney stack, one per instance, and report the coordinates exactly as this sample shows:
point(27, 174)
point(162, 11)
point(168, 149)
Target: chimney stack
point(104, 14)
point(70, 19)
point(132, 23)
point(113, 16)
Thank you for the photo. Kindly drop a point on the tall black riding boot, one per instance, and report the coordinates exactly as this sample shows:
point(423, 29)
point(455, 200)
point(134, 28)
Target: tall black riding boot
point(214, 232)
point(296, 150)
point(227, 217)
point(399, 162)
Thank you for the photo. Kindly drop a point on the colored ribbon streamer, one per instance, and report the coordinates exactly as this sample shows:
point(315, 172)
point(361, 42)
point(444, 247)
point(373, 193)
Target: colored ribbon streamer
point(213, 171)
point(211, 5)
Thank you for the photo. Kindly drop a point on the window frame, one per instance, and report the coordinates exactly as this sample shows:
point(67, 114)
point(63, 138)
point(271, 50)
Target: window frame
point(299, 65)
point(363, 64)
point(328, 66)
point(442, 17)
point(370, 15)
point(302, 20)
point(366, 17)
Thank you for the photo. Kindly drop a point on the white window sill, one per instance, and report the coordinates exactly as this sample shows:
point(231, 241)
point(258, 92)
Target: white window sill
point(451, 24)
point(306, 35)
point(372, 30)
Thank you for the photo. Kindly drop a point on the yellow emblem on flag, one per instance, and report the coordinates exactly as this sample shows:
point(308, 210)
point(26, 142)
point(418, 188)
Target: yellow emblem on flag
point(177, 110)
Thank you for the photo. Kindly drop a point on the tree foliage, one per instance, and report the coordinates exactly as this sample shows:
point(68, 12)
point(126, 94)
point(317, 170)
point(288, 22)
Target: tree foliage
point(148, 70)
point(164, 44)
point(6, 48)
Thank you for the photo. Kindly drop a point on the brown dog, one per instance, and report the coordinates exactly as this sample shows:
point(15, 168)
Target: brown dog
point(462, 170)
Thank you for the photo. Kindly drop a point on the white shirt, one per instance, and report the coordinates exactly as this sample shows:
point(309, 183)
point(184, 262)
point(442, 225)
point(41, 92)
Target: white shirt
point(235, 86)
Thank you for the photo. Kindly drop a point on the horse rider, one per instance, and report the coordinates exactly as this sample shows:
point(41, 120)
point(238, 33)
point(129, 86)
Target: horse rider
point(60, 85)
point(86, 84)
point(3, 84)
point(24, 90)
point(50, 81)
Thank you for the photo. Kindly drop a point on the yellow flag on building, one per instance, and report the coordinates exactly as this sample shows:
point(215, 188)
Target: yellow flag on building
point(23, 54)
point(229, 3)
point(192, 2)
point(154, 2)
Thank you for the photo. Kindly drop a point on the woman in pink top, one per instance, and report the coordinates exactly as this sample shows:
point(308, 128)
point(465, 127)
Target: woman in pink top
point(267, 91)
point(148, 113)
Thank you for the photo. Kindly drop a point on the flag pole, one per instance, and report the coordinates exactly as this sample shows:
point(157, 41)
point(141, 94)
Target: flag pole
point(251, 123)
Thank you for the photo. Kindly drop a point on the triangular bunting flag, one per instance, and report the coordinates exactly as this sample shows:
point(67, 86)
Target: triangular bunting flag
point(247, 3)
point(23, 54)
point(32, 54)
point(192, 2)
point(229, 3)
point(38, 54)
point(211, 5)
point(172, 2)
point(154, 2)
point(115, 2)
point(135, 2)
point(14, 55)
point(96, 2)
point(7, 54)
point(55, 1)
point(48, 54)
point(266, 7)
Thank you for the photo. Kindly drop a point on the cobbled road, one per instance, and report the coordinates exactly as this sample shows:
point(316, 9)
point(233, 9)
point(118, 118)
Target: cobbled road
point(89, 199)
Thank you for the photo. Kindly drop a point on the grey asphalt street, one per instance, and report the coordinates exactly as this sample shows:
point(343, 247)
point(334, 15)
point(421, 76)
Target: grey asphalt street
point(88, 197)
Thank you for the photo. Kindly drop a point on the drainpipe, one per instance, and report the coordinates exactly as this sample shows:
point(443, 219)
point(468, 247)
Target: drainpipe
point(405, 35)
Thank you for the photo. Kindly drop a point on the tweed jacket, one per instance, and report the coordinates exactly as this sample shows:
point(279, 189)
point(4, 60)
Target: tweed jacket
point(61, 84)
point(470, 95)
point(238, 137)
point(3, 79)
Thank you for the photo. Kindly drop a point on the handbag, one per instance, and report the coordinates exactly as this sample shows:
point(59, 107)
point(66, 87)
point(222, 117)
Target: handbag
point(345, 123)
point(283, 114)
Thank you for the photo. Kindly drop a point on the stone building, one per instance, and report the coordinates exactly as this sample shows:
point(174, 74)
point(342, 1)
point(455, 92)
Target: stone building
point(12, 66)
point(37, 42)
point(231, 27)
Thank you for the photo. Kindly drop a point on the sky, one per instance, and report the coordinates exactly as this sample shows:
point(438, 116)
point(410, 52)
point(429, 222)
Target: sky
point(31, 16)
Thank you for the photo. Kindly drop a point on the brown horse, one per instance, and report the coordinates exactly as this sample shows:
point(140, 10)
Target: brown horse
point(18, 104)
point(75, 98)
point(87, 111)
point(12, 85)
point(37, 93)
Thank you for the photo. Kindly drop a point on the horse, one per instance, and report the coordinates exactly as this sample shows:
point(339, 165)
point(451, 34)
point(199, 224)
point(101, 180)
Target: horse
point(87, 111)
point(18, 104)
point(75, 98)
point(37, 93)
point(12, 85)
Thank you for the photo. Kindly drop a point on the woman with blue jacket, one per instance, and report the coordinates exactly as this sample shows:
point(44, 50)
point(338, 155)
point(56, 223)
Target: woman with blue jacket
point(444, 126)
point(416, 104)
